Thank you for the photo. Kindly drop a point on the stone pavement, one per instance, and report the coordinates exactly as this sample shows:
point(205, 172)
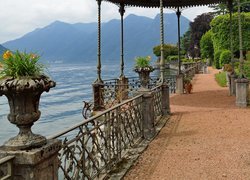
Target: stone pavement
point(207, 137)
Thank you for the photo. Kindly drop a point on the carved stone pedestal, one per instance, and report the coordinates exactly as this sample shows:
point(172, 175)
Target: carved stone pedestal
point(35, 164)
point(148, 113)
point(242, 92)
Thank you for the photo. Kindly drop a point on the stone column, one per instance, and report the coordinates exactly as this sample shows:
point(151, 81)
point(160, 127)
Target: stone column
point(179, 84)
point(165, 99)
point(242, 92)
point(148, 113)
point(35, 164)
point(122, 93)
point(98, 96)
point(232, 89)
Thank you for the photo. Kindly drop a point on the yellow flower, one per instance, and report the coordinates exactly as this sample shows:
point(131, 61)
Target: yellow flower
point(33, 56)
point(7, 55)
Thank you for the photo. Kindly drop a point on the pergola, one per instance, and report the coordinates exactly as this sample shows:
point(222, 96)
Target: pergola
point(161, 4)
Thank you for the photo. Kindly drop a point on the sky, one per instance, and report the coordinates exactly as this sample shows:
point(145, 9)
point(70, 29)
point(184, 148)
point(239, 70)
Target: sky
point(19, 17)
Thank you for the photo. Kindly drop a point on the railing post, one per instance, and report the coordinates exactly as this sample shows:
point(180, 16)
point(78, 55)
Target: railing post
point(35, 164)
point(165, 99)
point(148, 113)
point(242, 92)
point(122, 93)
point(98, 96)
point(179, 84)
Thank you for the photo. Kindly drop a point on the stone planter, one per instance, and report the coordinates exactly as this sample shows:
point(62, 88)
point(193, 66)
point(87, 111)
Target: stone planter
point(23, 97)
point(144, 76)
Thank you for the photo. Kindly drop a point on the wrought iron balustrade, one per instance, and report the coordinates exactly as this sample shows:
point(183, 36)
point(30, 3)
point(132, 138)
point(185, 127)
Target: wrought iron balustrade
point(112, 90)
point(157, 101)
point(98, 143)
point(6, 167)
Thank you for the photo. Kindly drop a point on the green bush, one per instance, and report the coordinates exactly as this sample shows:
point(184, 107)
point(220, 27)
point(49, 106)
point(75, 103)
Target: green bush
point(225, 57)
point(173, 58)
point(217, 59)
point(248, 56)
point(221, 79)
point(246, 69)
point(168, 49)
point(187, 60)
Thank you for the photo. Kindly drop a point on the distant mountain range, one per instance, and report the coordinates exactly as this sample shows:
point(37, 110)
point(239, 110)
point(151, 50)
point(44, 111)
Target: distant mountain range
point(65, 42)
point(2, 49)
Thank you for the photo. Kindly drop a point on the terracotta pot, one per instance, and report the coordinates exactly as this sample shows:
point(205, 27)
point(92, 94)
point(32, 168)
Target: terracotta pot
point(23, 97)
point(188, 88)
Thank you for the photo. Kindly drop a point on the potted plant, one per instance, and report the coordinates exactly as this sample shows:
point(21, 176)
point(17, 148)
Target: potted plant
point(143, 68)
point(229, 71)
point(187, 85)
point(22, 81)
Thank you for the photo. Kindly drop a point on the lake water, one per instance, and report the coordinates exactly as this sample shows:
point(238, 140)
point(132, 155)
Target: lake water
point(61, 107)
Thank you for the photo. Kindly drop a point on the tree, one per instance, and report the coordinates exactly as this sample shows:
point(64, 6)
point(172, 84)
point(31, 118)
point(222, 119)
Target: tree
point(221, 32)
point(222, 8)
point(199, 27)
point(207, 48)
point(185, 42)
point(168, 49)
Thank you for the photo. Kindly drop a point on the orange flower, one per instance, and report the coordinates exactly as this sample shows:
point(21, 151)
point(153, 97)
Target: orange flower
point(7, 55)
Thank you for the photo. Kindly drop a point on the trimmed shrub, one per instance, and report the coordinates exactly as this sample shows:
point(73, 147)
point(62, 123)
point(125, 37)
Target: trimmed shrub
point(174, 58)
point(225, 57)
point(248, 56)
point(246, 69)
point(217, 59)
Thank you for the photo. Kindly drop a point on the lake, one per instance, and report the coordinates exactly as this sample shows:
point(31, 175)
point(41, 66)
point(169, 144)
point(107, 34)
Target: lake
point(61, 107)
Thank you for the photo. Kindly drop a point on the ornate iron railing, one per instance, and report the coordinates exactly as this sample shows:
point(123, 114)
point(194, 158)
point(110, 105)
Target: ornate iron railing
point(157, 101)
point(114, 92)
point(6, 167)
point(95, 145)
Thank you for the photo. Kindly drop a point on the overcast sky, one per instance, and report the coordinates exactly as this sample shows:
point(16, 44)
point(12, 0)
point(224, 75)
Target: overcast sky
point(19, 17)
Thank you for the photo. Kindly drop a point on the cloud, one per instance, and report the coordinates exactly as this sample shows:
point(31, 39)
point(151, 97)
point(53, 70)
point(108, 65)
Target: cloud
point(19, 17)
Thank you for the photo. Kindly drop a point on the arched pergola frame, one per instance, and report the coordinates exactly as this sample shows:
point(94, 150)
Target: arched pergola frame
point(161, 4)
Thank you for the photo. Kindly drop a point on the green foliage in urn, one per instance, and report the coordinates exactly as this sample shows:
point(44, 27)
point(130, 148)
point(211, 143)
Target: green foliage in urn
point(143, 64)
point(20, 64)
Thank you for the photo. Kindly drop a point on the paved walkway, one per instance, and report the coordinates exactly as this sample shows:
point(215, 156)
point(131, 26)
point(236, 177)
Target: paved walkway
point(206, 138)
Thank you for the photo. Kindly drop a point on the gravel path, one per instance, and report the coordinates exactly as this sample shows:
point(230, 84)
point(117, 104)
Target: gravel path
point(206, 138)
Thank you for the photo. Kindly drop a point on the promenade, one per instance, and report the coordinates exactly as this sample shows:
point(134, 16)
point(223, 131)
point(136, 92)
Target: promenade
point(206, 138)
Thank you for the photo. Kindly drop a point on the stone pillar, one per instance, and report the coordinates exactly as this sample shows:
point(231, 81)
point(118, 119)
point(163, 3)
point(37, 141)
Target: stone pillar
point(232, 83)
point(122, 93)
point(165, 99)
point(98, 96)
point(242, 92)
point(179, 84)
point(35, 164)
point(148, 113)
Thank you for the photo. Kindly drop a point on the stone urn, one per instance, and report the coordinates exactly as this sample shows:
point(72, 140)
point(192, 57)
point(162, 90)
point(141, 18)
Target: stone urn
point(23, 96)
point(144, 75)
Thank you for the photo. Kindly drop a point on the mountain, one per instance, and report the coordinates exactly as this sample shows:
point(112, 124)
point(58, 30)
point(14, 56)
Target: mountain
point(2, 49)
point(61, 41)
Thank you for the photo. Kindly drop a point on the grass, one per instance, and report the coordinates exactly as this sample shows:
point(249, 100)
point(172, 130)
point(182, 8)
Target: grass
point(221, 79)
